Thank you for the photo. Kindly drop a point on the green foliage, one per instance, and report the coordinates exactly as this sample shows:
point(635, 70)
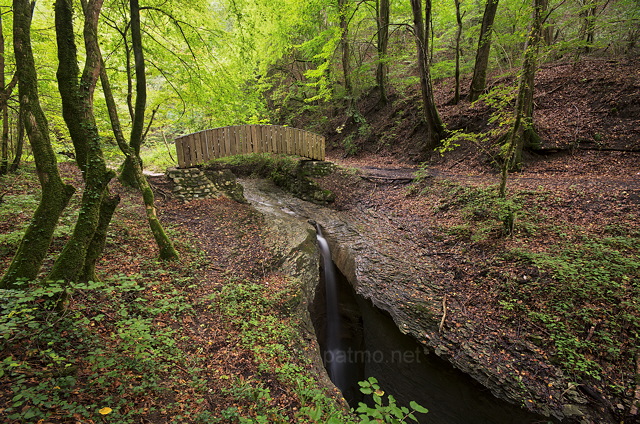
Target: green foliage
point(266, 326)
point(362, 133)
point(501, 100)
point(262, 165)
point(320, 77)
point(24, 204)
point(285, 171)
point(235, 61)
point(158, 156)
point(454, 139)
point(55, 361)
point(586, 284)
point(484, 213)
point(21, 207)
point(391, 413)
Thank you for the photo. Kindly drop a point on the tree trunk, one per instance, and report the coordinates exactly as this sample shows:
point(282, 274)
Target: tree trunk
point(165, 245)
point(4, 99)
point(590, 25)
point(5, 94)
point(456, 95)
point(96, 246)
point(547, 30)
point(127, 172)
point(522, 130)
point(435, 127)
point(382, 71)
point(77, 108)
point(28, 260)
point(343, 11)
point(479, 80)
point(527, 137)
point(19, 142)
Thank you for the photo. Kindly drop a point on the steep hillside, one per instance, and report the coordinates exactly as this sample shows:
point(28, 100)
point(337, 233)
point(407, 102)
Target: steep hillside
point(593, 104)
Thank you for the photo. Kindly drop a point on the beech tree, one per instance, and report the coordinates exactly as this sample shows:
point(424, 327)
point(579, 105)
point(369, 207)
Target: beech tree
point(55, 193)
point(459, 16)
point(479, 80)
point(382, 70)
point(76, 92)
point(5, 93)
point(522, 130)
point(19, 145)
point(132, 167)
point(421, 24)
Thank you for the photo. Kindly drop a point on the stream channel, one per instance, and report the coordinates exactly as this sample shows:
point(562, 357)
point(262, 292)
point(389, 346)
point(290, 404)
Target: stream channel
point(358, 340)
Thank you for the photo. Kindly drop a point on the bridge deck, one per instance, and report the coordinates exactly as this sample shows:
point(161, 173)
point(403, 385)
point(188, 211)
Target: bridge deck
point(198, 148)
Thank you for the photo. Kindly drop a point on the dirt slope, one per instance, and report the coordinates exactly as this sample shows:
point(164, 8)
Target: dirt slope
point(593, 104)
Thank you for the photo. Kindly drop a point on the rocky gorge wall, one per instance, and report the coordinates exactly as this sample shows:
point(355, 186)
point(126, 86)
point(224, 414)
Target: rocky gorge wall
point(398, 277)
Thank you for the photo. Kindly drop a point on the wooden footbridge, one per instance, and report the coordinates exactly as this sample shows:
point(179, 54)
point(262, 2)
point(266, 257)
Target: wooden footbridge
point(198, 148)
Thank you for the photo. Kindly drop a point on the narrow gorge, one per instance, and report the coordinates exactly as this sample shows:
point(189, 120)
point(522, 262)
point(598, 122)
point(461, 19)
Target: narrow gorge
point(390, 310)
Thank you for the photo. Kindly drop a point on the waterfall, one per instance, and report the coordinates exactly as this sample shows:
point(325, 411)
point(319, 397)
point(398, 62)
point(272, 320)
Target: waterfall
point(334, 356)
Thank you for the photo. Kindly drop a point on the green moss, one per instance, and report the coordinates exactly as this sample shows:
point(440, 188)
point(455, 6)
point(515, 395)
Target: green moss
point(287, 172)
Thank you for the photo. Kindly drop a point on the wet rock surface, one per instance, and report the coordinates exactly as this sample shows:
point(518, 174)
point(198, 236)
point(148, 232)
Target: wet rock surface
point(397, 274)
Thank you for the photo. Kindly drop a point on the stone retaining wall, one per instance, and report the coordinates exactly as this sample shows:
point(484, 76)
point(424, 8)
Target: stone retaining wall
point(202, 183)
point(192, 183)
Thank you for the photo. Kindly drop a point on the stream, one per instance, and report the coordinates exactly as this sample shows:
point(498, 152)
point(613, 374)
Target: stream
point(358, 340)
point(369, 344)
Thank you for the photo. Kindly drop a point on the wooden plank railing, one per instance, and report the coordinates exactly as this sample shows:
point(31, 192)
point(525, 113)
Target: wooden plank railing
point(198, 148)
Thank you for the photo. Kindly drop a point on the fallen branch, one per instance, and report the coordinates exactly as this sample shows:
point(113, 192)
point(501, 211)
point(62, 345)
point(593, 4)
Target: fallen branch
point(444, 313)
point(389, 180)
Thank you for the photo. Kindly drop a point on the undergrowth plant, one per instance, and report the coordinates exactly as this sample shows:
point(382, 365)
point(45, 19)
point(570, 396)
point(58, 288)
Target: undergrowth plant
point(574, 287)
point(585, 299)
point(59, 364)
point(484, 215)
point(267, 326)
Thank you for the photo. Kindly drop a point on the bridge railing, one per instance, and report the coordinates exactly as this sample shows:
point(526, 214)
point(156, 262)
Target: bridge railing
point(198, 148)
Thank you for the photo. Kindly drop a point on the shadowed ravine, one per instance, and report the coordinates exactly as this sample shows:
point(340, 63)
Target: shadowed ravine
point(359, 335)
point(358, 341)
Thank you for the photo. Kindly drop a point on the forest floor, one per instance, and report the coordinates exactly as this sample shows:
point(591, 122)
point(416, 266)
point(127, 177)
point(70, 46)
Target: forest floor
point(174, 347)
point(544, 279)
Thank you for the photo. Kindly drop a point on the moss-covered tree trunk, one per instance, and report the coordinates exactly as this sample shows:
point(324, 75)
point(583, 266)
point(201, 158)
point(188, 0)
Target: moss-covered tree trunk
point(4, 98)
point(127, 171)
point(522, 132)
point(435, 127)
point(96, 247)
point(479, 79)
point(132, 161)
point(5, 94)
point(525, 134)
point(33, 248)
point(165, 246)
point(77, 108)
